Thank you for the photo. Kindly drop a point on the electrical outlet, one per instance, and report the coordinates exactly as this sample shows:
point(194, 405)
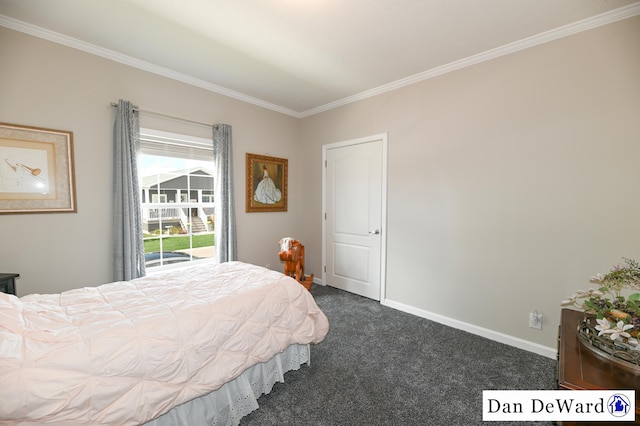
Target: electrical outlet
point(535, 320)
point(268, 265)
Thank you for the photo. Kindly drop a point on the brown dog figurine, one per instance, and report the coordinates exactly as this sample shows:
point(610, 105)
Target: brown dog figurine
point(292, 254)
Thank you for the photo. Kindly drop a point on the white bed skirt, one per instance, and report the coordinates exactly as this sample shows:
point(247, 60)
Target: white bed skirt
point(236, 399)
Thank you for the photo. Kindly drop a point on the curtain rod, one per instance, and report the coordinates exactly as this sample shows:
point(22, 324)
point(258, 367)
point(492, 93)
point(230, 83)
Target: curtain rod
point(158, 114)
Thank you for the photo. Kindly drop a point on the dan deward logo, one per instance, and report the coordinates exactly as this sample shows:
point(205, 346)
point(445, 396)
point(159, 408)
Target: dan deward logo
point(618, 405)
point(558, 405)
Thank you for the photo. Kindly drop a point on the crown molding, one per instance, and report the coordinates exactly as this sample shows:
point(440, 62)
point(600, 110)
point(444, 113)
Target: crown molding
point(538, 39)
point(74, 43)
point(545, 37)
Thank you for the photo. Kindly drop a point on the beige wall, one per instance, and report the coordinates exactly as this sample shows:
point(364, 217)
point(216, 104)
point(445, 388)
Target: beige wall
point(510, 183)
point(48, 85)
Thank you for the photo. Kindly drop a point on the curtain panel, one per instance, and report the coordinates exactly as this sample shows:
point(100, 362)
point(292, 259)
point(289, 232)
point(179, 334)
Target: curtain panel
point(128, 246)
point(224, 221)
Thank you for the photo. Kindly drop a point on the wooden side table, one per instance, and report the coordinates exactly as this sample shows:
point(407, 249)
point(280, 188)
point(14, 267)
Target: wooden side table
point(8, 283)
point(579, 368)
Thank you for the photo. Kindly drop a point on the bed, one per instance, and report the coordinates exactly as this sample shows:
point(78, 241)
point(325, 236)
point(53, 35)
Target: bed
point(196, 345)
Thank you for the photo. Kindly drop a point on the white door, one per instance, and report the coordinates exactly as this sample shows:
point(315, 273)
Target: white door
point(354, 199)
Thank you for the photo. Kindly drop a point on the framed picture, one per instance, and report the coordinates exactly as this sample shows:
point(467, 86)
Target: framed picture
point(36, 170)
point(266, 183)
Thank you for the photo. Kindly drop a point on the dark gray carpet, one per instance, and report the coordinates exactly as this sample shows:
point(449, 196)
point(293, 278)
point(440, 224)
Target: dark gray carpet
point(380, 366)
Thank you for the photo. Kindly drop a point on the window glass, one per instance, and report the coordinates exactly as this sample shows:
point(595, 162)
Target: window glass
point(177, 201)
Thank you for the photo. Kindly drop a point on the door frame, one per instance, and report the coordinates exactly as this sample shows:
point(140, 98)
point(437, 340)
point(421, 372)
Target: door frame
point(383, 236)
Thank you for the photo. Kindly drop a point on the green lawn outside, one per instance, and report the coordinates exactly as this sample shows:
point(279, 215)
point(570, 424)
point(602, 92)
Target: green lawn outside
point(180, 242)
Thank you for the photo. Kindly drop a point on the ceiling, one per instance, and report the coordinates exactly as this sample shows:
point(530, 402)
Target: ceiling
point(301, 57)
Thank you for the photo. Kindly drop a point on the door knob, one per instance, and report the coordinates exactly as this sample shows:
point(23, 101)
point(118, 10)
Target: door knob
point(375, 232)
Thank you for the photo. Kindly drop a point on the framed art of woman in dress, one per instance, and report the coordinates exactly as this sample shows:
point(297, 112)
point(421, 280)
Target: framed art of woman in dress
point(266, 183)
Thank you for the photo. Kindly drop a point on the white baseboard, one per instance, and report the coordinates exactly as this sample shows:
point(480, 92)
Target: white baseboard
point(470, 328)
point(474, 329)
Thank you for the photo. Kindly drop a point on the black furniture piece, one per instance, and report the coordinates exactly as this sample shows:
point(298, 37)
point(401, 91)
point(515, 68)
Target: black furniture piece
point(8, 283)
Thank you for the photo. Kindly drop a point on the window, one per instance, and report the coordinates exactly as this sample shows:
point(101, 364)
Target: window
point(176, 183)
point(158, 198)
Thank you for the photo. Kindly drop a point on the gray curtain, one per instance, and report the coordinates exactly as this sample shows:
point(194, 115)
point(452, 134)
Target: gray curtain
point(225, 222)
point(128, 247)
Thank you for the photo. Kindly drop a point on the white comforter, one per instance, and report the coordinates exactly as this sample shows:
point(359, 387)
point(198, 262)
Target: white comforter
point(126, 352)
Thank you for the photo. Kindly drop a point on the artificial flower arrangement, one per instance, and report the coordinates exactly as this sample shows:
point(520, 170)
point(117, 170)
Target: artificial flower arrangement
point(618, 318)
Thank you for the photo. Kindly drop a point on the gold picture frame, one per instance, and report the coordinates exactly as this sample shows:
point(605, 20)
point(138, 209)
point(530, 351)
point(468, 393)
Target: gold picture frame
point(36, 170)
point(266, 183)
